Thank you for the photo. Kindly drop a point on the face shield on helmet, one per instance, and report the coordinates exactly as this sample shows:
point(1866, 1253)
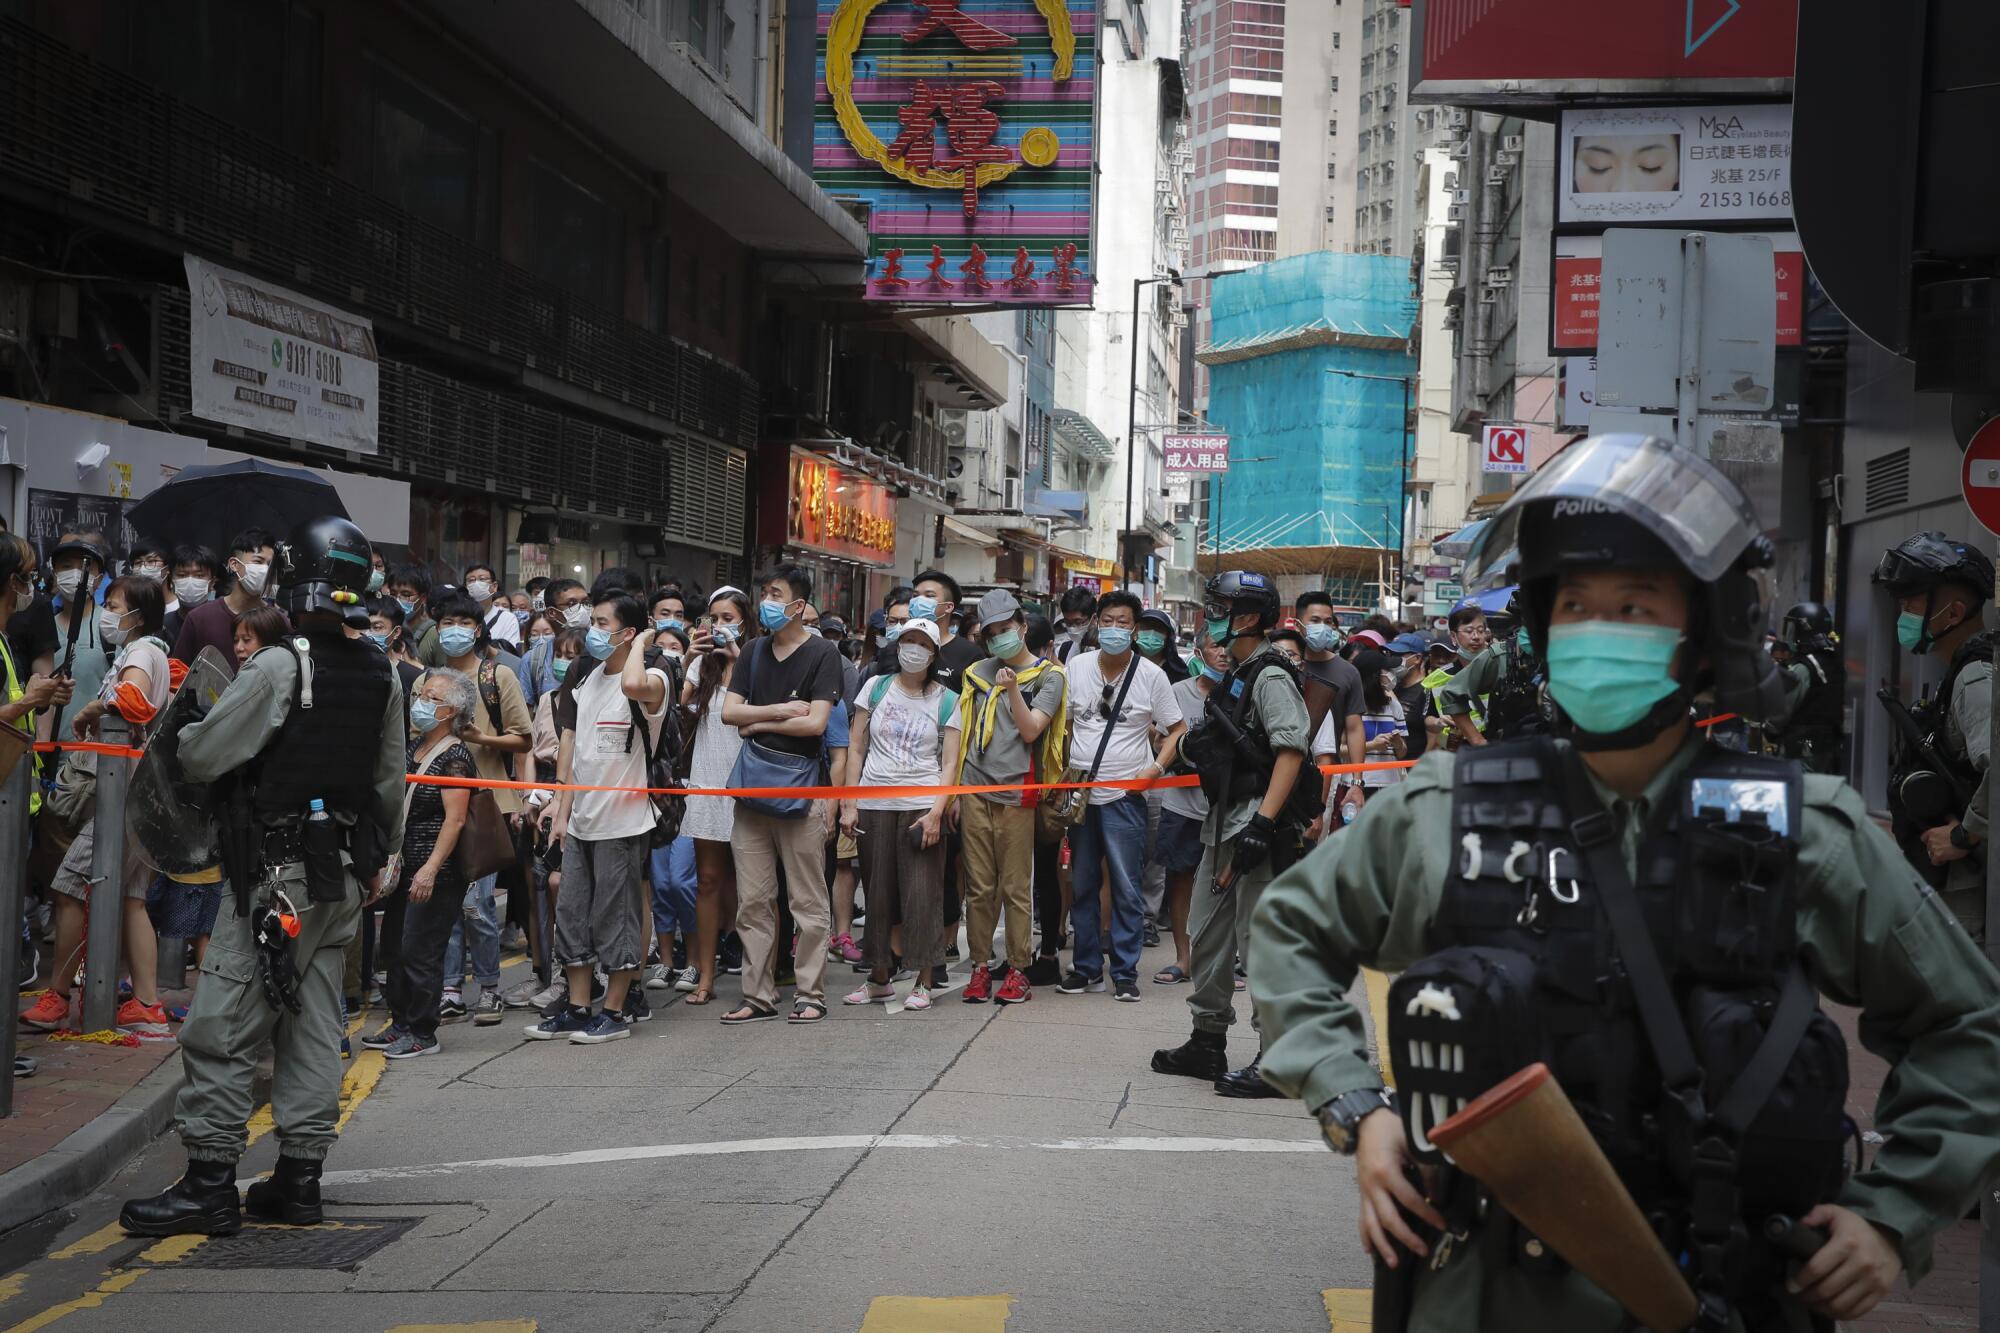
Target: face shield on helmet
point(1630, 501)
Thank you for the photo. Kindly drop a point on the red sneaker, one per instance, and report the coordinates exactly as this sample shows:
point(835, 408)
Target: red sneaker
point(1015, 989)
point(50, 1011)
point(980, 989)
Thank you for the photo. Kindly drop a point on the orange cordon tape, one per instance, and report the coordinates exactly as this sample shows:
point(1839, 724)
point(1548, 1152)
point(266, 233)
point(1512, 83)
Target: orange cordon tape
point(87, 747)
point(858, 793)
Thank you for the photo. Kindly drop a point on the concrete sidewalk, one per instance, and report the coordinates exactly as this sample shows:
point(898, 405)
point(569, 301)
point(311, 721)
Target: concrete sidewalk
point(89, 1109)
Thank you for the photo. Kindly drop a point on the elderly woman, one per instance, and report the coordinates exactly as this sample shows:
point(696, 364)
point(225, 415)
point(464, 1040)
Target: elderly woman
point(430, 888)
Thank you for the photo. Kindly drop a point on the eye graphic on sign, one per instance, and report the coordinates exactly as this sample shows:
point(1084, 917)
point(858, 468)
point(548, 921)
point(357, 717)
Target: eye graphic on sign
point(972, 160)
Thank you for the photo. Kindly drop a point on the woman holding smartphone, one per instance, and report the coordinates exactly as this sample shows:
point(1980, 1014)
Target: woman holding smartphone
point(718, 641)
point(905, 734)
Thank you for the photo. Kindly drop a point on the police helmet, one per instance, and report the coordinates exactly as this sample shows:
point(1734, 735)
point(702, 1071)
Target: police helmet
point(324, 567)
point(1923, 560)
point(1633, 501)
point(1236, 591)
point(1807, 628)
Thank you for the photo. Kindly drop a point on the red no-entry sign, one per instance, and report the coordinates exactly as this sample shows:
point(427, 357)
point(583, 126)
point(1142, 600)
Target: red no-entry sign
point(1979, 478)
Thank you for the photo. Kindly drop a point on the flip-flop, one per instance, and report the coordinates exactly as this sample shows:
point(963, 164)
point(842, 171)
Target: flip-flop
point(700, 995)
point(1170, 975)
point(800, 1009)
point(749, 1013)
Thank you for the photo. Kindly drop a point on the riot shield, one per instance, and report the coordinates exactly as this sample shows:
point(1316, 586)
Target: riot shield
point(168, 818)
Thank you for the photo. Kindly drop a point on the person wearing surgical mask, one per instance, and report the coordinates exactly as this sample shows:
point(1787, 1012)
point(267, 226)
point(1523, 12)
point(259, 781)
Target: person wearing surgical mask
point(212, 624)
point(410, 585)
point(137, 687)
point(499, 728)
point(378, 572)
point(495, 611)
point(1320, 629)
point(725, 631)
point(385, 631)
point(191, 581)
point(937, 598)
point(1078, 623)
point(1118, 703)
point(61, 630)
point(566, 603)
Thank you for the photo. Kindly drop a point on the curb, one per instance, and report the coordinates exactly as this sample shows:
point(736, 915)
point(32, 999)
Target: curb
point(91, 1155)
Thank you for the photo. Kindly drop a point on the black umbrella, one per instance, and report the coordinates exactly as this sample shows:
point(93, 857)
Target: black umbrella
point(210, 504)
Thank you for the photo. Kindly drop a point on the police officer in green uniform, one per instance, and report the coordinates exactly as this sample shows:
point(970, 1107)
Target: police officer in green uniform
point(1940, 585)
point(1645, 883)
point(1498, 694)
point(314, 727)
point(1248, 747)
point(1810, 726)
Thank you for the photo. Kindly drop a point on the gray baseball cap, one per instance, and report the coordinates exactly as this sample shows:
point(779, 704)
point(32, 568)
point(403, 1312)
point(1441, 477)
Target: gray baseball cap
point(997, 606)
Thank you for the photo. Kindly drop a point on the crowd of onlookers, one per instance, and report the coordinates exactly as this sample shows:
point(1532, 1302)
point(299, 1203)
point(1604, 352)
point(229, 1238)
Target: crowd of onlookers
point(593, 693)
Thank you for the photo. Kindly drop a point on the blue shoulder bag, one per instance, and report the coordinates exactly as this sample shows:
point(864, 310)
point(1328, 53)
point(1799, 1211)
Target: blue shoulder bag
point(765, 766)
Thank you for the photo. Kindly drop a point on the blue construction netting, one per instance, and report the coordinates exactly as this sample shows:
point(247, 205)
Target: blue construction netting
point(1322, 452)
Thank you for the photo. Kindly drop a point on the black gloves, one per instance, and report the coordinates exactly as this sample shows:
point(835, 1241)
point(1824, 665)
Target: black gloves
point(1253, 846)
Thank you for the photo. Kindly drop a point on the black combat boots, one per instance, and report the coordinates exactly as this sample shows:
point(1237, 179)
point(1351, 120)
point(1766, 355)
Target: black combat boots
point(1246, 1082)
point(1203, 1055)
point(290, 1195)
point(202, 1203)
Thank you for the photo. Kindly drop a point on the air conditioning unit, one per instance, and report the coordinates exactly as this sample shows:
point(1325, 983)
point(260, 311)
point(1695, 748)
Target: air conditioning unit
point(1449, 264)
point(1455, 213)
point(1487, 297)
point(1461, 150)
point(1506, 159)
point(1451, 180)
point(1510, 143)
point(1163, 184)
point(1461, 196)
point(1171, 204)
point(1010, 493)
point(1451, 319)
point(1460, 118)
point(1500, 275)
point(1496, 175)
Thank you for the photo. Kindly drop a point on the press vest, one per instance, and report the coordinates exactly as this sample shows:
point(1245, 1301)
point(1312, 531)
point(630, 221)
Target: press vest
point(327, 751)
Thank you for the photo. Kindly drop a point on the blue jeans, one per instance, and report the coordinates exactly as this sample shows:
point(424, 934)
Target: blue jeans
point(671, 871)
point(1114, 833)
point(482, 918)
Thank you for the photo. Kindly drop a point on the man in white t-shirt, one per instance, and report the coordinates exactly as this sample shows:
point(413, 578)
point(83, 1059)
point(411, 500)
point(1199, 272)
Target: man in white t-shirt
point(1117, 700)
point(502, 625)
point(605, 835)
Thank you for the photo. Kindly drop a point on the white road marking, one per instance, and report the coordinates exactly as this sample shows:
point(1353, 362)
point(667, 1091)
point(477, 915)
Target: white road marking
point(821, 1143)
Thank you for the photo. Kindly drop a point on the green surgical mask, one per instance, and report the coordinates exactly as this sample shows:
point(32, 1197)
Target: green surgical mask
point(1521, 640)
point(559, 667)
point(1910, 632)
point(1608, 675)
point(1004, 646)
point(1151, 642)
point(1218, 630)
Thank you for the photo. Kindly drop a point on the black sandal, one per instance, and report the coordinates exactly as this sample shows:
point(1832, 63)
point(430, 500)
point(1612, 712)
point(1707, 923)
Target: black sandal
point(749, 1013)
point(799, 1008)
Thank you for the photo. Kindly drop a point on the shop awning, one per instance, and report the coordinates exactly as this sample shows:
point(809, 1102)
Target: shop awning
point(1080, 433)
point(1069, 506)
point(1458, 543)
point(968, 535)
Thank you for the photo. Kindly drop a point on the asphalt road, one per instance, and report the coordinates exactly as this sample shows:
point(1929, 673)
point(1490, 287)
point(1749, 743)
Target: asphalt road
point(971, 1168)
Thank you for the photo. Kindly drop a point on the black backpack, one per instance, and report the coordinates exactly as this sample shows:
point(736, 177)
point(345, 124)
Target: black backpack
point(663, 768)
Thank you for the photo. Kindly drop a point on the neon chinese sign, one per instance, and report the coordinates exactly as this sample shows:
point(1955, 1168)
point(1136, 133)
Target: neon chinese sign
point(830, 509)
point(968, 126)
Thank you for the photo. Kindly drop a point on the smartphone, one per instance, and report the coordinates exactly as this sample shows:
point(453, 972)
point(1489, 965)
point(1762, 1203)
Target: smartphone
point(705, 624)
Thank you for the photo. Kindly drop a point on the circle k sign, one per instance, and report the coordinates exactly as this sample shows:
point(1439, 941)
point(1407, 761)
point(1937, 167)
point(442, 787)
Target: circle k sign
point(1506, 448)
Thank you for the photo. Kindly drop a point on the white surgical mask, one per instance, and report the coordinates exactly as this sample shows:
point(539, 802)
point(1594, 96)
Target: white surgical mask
point(913, 656)
point(253, 577)
point(479, 590)
point(157, 573)
point(111, 627)
point(68, 581)
point(191, 591)
point(577, 617)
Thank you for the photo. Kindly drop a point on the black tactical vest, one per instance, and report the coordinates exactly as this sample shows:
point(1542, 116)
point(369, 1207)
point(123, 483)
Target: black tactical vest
point(1230, 750)
point(1716, 882)
point(327, 751)
point(1516, 706)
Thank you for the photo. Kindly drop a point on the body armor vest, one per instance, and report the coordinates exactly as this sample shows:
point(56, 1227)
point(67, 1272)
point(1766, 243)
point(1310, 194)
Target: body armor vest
point(1813, 733)
point(327, 751)
point(1230, 750)
point(1715, 879)
point(1920, 795)
point(1515, 708)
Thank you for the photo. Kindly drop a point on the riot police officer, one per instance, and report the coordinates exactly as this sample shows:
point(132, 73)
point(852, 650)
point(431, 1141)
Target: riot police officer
point(309, 739)
point(1498, 696)
point(1941, 585)
point(1248, 748)
point(1810, 727)
point(1625, 881)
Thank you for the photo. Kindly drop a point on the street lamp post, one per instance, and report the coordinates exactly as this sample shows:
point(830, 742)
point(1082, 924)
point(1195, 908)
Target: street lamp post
point(1403, 484)
point(1132, 422)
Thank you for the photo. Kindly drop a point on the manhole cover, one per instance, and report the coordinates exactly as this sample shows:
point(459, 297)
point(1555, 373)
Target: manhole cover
point(334, 1243)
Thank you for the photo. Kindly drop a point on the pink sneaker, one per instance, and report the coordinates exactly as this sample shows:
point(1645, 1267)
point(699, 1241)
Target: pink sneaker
point(844, 948)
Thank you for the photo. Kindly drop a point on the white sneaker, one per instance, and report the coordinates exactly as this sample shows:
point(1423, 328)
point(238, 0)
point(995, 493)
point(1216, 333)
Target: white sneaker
point(688, 979)
point(920, 998)
point(659, 976)
point(870, 993)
